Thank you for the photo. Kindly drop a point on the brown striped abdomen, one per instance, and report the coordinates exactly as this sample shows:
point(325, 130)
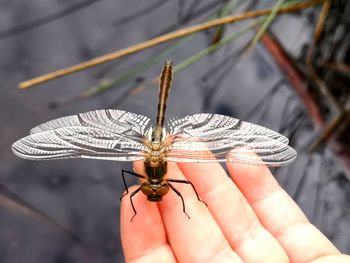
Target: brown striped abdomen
point(164, 88)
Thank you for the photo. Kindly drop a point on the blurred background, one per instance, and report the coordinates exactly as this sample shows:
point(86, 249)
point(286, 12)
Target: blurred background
point(289, 72)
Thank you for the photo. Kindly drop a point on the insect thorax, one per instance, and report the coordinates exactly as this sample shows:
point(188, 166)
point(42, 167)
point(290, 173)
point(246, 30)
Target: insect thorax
point(155, 169)
point(156, 148)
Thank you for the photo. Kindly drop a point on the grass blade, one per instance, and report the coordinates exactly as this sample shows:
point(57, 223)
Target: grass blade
point(267, 23)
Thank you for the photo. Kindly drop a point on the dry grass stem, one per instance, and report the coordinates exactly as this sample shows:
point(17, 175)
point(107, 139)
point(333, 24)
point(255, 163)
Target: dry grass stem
point(161, 39)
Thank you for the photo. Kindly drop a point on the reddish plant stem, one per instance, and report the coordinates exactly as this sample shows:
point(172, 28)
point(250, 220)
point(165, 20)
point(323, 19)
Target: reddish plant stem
point(300, 84)
point(294, 75)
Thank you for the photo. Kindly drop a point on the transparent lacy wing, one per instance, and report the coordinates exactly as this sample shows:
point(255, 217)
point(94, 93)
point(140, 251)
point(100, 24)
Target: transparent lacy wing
point(205, 125)
point(115, 121)
point(103, 134)
point(212, 137)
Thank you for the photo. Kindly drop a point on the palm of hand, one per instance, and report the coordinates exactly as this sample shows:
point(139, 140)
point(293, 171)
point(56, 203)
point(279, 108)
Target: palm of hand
point(249, 219)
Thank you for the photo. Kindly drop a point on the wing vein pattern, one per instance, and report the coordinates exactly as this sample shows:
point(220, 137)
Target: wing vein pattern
point(100, 134)
point(213, 137)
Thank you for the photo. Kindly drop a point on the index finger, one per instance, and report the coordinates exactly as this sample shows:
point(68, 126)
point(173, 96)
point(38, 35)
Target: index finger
point(143, 238)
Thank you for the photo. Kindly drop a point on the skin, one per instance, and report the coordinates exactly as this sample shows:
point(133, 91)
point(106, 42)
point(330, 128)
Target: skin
point(248, 219)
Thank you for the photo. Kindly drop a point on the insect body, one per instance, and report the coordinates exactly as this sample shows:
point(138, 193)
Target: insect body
point(124, 136)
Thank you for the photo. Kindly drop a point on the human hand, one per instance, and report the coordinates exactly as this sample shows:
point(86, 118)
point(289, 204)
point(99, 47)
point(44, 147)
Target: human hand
point(248, 219)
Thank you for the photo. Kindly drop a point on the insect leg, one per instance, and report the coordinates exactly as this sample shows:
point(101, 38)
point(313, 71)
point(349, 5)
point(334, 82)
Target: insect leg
point(126, 187)
point(132, 204)
point(187, 182)
point(180, 195)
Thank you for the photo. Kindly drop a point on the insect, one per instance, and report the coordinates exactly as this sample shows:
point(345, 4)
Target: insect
point(124, 136)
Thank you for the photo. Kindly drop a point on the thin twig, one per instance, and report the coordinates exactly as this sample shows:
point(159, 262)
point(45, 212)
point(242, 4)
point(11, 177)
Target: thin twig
point(190, 15)
point(310, 56)
point(161, 39)
point(318, 31)
point(47, 19)
point(196, 57)
point(106, 84)
point(213, 89)
point(300, 85)
point(332, 127)
point(301, 181)
point(328, 131)
point(133, 72)
point(139, 13)
point(191, 9)
point(339, 67)
point(222, 12)
point(11, 201)
point(180, 9)
point(268, 94)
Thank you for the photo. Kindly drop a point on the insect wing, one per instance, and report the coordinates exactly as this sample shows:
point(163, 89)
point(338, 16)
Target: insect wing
point(213, 137)
point(114, 121)
point(103, 134)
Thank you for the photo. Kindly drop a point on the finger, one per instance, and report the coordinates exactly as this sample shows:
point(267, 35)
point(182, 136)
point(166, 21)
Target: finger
point(143, 238)
point(198, 239)
point(342, 258)
point(279, 214)
point(233, 213)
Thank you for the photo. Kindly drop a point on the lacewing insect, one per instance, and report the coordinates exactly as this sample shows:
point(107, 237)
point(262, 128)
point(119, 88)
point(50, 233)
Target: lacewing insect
point(124, 136)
